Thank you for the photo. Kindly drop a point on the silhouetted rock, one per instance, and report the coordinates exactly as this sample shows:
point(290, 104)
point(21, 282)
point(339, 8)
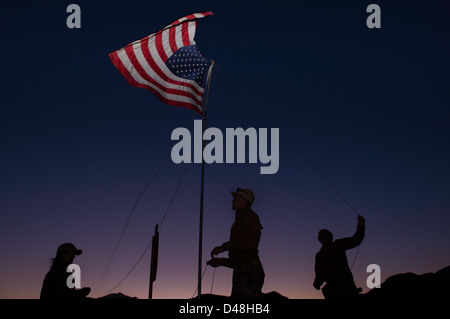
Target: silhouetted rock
point(429, 286)
point(273, 295)
point(444, 271)
point(118, 295)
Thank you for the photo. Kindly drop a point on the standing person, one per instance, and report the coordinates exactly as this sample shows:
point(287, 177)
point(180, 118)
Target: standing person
point(331, 264)
point(55, 282)
point(248, 273)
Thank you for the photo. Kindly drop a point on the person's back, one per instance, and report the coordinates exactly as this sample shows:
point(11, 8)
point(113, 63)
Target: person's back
point(244, 236)
point(55, 284)
point(248, 272)
point(55, 281)
point(331, 264)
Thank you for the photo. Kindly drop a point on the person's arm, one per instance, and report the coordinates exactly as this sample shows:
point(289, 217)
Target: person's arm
point(220, 249)
point(318, 280)
point(356, 239)
point(216, 262)
point(82, 293)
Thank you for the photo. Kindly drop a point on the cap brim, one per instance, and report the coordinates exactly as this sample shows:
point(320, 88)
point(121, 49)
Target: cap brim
point(78, 252)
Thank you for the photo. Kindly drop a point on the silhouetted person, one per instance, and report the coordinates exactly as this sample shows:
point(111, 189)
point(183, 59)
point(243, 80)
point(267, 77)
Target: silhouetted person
point(55, 282)
point(331, 264)
point(248, 273)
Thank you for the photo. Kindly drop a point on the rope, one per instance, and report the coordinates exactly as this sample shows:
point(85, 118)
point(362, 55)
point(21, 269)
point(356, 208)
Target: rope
point(289, 142)
point(173, 197)
point(105, 269)
point(305, 158)
point(193, 295)
point(151, 240)
point(111, 256)
point(212, 283)
point(356, 255)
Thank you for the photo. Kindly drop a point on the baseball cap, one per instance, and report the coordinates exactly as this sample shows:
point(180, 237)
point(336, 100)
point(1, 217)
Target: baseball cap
point(69, 246)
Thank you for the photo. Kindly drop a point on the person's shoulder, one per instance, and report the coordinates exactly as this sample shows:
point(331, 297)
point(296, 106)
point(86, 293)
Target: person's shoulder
point(342, 243)
point(249, 216)
point(252, 215)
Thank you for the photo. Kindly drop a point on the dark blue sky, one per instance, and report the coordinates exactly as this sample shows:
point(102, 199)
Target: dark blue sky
point(369, 107)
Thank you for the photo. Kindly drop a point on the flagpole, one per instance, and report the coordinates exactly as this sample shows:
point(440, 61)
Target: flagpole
point(202, 187)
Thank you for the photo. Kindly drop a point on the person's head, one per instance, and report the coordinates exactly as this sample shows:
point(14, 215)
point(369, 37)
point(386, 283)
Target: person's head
point(66, 253)
point(242, 198)
point(325, 237)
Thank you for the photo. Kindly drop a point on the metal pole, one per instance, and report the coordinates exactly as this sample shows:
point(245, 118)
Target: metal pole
point(153, 262)
point(202, 188)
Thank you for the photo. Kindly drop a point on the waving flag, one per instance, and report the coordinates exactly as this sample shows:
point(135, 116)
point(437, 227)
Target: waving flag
point(167, 63)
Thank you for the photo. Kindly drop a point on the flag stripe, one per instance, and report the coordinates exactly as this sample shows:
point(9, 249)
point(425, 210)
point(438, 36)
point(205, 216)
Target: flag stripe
point(171, 40)
point(178, 37)
point(160, 48)
point(150, 76)
point(162, 70)
point(135, 81)
point(192, 27)
point(143, 64)
point(144, 70)
point(185, 34)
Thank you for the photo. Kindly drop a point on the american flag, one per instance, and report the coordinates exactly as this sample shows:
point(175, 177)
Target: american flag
point(167, 63)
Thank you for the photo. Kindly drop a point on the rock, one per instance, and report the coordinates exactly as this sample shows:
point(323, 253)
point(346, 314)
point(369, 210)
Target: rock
point(429, 286)
point(118, 295)
point(273, 295)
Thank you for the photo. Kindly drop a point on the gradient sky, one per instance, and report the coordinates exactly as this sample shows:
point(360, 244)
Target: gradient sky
point(369, 107)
